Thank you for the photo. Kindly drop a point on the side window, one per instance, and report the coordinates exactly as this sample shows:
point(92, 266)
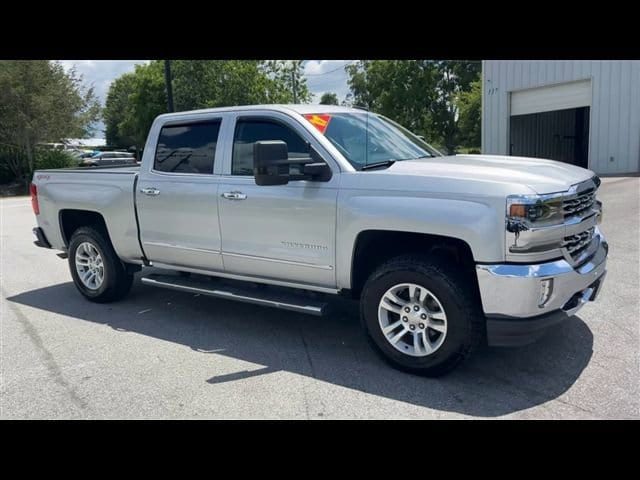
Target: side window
point(250, 131)
point(187, 148)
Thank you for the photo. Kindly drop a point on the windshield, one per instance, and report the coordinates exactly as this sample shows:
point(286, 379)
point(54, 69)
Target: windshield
point(367, 138)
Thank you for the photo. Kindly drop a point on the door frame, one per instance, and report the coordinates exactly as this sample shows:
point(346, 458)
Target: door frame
point(308, 134)
point(149, 175)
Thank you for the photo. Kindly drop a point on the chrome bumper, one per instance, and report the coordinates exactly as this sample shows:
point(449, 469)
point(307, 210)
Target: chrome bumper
point(517, 291)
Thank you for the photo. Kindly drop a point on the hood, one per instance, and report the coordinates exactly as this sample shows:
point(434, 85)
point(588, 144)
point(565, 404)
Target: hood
point(542, 176)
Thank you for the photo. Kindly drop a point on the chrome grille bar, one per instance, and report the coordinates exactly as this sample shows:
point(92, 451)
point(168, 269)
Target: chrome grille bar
point(575, 205)
point(575, 244)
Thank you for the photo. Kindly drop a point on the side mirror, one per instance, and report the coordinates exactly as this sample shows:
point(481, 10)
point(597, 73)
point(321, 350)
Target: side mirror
point(270, 164)
point(317, 169)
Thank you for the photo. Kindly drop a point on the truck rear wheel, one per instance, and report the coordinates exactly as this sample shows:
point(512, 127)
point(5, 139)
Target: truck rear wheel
point(421, 316)
point(98, 273)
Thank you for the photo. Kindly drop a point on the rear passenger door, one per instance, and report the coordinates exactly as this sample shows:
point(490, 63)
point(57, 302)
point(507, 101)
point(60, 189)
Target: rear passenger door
point(177, 196)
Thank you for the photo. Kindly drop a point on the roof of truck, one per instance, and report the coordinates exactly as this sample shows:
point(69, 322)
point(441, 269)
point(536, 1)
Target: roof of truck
point(298, 108)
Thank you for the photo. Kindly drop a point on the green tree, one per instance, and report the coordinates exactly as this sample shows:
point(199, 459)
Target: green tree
point(116, 110)
point(136, 98)
point(454, 78)
point(219, 83)
point(147, 101)
point(418, 94)
point(469, 105)
point(41, 102)
point(133, 101)
point(329, 98)
point(286, 76)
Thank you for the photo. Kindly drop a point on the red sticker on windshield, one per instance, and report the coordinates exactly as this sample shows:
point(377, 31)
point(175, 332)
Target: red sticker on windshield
point(321, 122)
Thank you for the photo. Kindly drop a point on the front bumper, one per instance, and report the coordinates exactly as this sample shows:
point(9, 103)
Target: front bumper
point(514, 302)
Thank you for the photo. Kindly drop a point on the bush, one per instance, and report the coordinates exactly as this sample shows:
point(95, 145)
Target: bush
point(468, 150)
point(6, 175)
point(10, 155)
point(45, 159)
point(7, 153)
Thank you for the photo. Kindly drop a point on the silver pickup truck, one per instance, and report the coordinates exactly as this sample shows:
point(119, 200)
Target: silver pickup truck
point(283, 206)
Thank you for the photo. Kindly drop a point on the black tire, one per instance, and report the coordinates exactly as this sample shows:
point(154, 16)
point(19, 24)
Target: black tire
point(458, 296)
point(117, 281)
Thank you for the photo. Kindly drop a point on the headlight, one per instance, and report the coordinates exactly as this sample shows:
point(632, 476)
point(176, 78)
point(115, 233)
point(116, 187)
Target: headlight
point(535, 210)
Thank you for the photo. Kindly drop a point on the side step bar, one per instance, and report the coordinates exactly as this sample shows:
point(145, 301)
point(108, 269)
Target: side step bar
point(263, 295)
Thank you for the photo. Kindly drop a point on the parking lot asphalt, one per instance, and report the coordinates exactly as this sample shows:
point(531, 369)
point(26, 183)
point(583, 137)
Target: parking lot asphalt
point(163, 354)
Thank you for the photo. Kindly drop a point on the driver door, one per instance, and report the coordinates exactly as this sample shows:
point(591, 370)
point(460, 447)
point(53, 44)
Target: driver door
point(282, 232)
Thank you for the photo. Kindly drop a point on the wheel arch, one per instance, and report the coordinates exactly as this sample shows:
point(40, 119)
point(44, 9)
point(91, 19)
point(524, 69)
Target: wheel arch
point(371, 249)
point(71, 220)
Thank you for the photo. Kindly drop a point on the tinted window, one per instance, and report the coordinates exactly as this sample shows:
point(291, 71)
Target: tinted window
point(250, 131)
point(187, 148)
point(365, 138)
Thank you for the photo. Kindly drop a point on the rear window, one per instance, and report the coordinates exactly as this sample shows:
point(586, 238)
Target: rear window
point(187, 148)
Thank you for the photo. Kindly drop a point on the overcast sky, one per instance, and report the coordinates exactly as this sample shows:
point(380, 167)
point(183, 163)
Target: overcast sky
point(322, 76)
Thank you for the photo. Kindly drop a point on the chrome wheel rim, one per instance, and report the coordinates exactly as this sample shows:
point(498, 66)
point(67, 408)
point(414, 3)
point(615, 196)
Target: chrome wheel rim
point(89, 266)
point(412, 319)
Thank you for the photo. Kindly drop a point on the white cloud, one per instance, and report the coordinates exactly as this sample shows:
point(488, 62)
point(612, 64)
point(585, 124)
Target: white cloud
point(317, 67)
point(326, 76)
point(100, 73)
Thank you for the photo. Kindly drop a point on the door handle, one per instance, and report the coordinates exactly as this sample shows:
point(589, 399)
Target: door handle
point(234, 195)
point(150, 191)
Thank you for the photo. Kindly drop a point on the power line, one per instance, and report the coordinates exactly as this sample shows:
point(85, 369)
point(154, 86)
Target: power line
point(330, 71)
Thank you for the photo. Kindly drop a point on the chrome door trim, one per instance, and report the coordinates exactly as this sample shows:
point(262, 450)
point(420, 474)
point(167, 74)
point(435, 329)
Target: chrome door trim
point(275, 260)
point(247, 278)
point(191, 249)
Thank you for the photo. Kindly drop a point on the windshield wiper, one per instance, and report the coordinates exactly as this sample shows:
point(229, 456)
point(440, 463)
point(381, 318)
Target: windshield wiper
point(386, 163)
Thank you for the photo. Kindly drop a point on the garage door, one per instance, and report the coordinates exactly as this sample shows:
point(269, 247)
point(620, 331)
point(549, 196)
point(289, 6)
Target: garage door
point(555, 97)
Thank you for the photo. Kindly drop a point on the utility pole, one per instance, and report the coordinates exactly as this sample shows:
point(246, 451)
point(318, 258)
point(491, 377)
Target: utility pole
point(293, 82)
point(167, 79)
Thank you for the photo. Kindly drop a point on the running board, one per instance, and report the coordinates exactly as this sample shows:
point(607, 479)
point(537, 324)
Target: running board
point(235, 290)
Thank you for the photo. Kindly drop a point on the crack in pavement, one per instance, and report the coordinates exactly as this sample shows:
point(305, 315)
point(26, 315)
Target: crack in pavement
point(47, 358)
point(313, 372)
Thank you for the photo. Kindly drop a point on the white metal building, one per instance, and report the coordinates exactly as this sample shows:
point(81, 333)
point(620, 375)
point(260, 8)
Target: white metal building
point(585, 112)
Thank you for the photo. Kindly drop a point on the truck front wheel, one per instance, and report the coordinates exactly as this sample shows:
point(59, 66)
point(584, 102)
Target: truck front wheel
point(97, 271)
point(421, 316)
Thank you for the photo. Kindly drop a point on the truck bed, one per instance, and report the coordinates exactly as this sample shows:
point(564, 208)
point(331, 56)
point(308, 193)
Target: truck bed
point(107, 191)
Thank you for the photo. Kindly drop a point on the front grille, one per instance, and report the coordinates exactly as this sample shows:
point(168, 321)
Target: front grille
point(579, 204)
point(576, 244)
